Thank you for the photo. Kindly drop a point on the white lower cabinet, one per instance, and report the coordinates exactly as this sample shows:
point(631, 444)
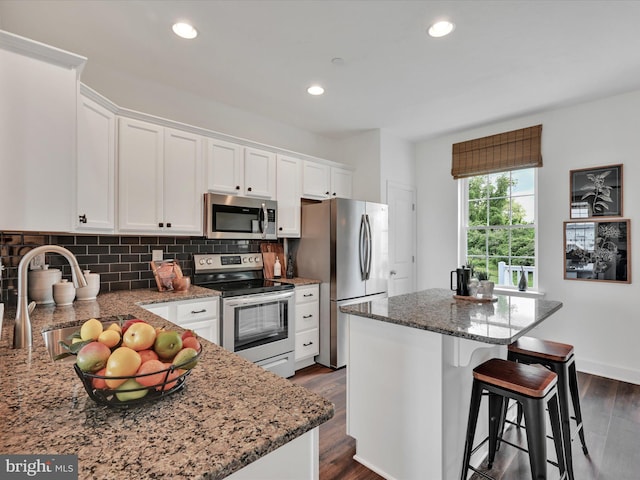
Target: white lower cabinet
point(199, 315)
point(307, 322)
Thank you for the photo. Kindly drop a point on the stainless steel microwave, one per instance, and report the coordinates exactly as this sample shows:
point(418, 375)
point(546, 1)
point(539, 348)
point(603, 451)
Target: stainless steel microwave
point(232, 217)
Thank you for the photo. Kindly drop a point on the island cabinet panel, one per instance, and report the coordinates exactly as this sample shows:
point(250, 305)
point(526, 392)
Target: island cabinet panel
point(408, 398)
point(296, 460)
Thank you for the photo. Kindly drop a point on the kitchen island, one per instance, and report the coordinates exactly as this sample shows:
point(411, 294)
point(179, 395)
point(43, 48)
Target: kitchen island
point(232, 420)
point(409, 375)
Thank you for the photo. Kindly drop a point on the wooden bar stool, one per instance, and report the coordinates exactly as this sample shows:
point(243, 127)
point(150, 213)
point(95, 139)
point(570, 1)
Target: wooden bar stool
point(559, 358)
point(534, 388)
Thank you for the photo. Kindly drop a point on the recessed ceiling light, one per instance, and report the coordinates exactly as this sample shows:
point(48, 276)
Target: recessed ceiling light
point(184, 30)
point(315, 90)
point(441, 28)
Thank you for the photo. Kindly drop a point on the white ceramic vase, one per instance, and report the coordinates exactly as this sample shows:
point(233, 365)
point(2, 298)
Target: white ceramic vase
point(64, 292)
point(41, 283)
point(93, 286)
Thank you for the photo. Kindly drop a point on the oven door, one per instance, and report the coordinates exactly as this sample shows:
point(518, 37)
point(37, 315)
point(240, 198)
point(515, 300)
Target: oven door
point(259, 326)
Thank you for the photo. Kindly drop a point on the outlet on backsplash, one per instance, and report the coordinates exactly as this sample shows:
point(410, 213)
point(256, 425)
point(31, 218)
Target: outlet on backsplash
point(157, 255)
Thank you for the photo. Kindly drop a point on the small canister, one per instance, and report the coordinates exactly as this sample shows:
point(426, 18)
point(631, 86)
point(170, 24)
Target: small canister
point(64, 292)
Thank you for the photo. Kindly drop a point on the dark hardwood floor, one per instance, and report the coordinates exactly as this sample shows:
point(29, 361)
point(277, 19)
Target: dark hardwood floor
point(611, 416)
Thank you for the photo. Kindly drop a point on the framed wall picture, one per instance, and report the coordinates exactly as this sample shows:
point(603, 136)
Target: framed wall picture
point(598, 250)
point(596, 192)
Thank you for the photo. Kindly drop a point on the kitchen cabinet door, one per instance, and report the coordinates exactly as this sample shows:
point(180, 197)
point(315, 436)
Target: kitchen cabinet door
point(95, 190)
point(38, 100)
point(225, 167)
point(288, 175)
point(341, 182)
point(183, 187)
point(259, 173)
point(316, 180)
point(307, 324)
point(140, 162)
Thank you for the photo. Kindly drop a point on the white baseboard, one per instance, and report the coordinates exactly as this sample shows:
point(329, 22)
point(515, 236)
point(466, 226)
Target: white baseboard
point(609, 371)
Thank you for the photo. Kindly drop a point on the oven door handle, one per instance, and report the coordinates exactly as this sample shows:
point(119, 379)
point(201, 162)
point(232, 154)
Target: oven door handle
point(257, 298)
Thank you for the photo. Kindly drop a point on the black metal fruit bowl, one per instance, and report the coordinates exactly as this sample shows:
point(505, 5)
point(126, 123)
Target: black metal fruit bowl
point(173, 379)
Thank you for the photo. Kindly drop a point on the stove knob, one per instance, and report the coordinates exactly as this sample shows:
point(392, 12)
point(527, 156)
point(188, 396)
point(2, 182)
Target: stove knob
point(202, 261)
point(209, 261)
point(250, 259)
point(257, 259)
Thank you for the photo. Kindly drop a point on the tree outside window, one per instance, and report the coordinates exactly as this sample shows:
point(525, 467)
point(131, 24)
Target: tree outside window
point(501, 226)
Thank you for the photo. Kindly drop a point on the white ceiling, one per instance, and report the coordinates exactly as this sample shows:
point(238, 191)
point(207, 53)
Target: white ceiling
point(504, 59)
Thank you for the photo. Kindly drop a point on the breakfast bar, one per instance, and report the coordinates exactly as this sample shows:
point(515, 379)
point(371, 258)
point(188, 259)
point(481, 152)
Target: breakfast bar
point(409, 376)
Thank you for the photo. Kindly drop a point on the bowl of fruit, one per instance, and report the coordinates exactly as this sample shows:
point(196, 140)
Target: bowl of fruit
point(130, 362)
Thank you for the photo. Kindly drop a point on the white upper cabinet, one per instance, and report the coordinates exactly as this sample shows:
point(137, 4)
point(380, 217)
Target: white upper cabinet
point(289, 176)
point(316, 180)
point(259, 173)
point(95, 195)
point(38, 102)
point(159, 179)
point(236, 170)
point(183, 186)
point(341, 182)
point(320, 181)
point(225, 167)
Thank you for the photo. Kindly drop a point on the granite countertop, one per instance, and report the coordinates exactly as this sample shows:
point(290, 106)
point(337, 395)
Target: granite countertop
point(230, 413)
point(500, 322)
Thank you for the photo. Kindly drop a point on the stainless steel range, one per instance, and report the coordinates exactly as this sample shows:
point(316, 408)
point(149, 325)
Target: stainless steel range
point(257, 315)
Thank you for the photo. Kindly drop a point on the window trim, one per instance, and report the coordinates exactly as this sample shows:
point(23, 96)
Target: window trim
point(463, 216)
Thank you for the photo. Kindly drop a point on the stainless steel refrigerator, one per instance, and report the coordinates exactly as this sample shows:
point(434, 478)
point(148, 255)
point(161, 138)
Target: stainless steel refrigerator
point(343, 244)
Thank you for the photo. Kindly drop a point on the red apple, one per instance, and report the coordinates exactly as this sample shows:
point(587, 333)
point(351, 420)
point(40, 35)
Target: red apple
point(191, 342)
point(128, 323)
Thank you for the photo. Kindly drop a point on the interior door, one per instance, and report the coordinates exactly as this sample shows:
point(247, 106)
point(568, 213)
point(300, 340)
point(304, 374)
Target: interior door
point(402, 238)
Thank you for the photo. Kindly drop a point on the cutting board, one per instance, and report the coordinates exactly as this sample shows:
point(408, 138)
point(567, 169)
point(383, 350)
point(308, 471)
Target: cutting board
point(269, 253)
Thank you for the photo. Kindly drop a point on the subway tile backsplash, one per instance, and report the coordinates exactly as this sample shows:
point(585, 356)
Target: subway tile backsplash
point(121, 261)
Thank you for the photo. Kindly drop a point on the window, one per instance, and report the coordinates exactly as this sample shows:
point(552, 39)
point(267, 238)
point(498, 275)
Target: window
point(499, 225)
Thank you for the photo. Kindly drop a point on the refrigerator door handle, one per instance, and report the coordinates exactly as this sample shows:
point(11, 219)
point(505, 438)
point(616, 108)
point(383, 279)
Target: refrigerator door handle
point(369, 246)
point(362, 247)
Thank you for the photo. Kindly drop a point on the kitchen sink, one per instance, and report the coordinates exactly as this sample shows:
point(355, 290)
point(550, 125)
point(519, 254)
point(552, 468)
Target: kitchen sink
point(53, 337)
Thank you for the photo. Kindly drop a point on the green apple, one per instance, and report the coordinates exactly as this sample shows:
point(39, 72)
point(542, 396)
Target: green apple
point(167, 344)
point(129, 391)
point(93, 357)
point(181, 360)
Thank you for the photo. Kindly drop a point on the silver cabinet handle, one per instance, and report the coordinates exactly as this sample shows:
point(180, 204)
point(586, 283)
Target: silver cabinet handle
point(195, 312)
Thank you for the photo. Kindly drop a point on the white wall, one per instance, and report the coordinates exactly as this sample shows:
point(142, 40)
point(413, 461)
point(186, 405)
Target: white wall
point(362, 151)
point(162, 101)
point(396, 162)
point(600, 319)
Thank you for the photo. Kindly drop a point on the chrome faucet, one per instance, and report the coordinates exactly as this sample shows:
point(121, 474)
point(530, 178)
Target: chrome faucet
point(22, 336)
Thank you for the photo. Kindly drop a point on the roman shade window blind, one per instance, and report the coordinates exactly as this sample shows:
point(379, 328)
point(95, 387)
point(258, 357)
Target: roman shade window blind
point(497, 153)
